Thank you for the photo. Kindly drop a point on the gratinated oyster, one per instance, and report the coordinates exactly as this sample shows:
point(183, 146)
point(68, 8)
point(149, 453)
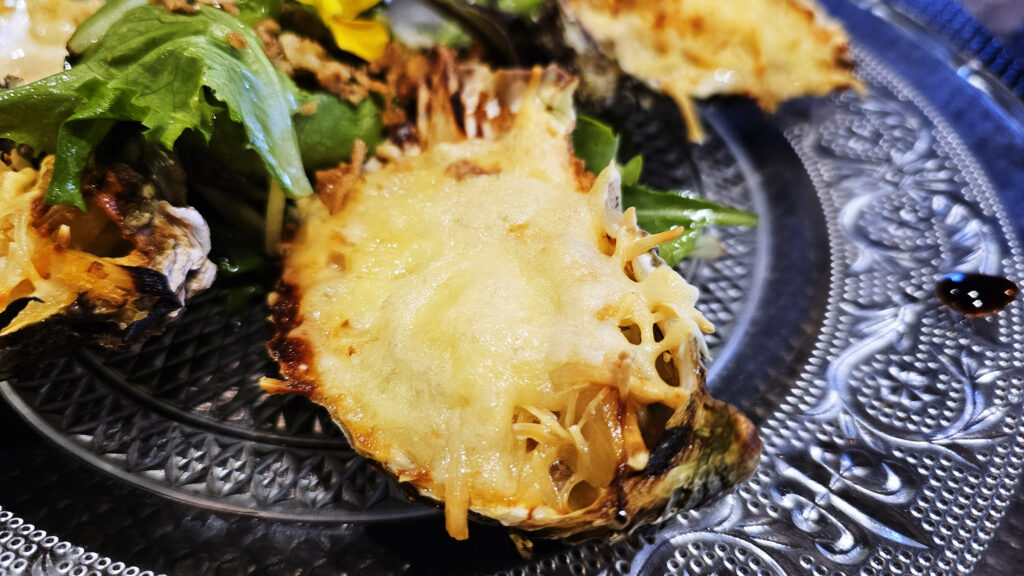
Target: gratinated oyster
point(481, 319)
point(768, 50)
point(114, 273)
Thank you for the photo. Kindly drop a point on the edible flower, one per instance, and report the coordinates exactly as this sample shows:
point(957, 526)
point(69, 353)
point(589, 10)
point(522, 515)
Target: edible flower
point(364, 38)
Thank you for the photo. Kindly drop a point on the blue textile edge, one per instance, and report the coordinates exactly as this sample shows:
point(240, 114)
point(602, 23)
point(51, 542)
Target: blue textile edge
point(1003, 57)
point(995, 138)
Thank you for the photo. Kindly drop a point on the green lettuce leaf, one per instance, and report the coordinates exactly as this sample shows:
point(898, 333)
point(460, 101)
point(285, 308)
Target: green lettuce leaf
point(657, 211)
point(170, 72)
point(661, 209)
point(252, 11)
point(327, 135)
point(528, 8)
point(597, 145)
point(90, 31)
point(631, 170)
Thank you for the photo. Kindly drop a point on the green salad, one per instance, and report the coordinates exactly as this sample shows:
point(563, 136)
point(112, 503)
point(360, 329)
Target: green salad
point(200, 81)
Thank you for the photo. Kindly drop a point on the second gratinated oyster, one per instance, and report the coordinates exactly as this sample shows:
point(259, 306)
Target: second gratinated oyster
point(768, 50)
point(481, 319)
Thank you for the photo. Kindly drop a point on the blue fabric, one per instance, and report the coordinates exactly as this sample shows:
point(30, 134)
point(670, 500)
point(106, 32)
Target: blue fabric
point(993, 137)
point(1005, 58)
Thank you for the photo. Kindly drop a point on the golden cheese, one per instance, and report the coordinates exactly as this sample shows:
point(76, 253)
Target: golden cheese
point(482, 321)
point(769, 50)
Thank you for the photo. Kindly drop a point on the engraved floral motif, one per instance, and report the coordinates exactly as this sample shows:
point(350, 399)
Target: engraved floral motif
point(903, 400)
point(894, 381)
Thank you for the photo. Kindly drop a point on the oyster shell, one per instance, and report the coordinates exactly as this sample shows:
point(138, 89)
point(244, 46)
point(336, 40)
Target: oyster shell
point(481, 319)
point(115, 273)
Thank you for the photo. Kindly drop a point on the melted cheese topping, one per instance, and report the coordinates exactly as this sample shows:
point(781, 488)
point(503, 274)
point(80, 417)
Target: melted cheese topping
point(43, 267)
point(33, 35)
point(770, 50)
point(17, 236)
point(468, 310)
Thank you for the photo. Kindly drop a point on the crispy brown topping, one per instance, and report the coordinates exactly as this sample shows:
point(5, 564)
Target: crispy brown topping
point(97, 269)
point(347, 82)
point(293, 354)
point(237, 41)
point(193, 6)
point(108, 204)
point(176, 6)
point(275, 386)
point(462, 169)
point(403, 72)
point(227, 6)
point(10, 81)
point(284, 307)
point(334, 185)
point(268, 30)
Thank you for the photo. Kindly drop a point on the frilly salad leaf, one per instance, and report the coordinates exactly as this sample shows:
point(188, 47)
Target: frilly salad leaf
point(326, 135)
point(656, 211)
point(169, 72)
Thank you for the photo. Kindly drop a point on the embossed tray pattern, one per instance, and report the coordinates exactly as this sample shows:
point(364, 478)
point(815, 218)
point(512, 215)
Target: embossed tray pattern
point(896, 450)
point(899, 447)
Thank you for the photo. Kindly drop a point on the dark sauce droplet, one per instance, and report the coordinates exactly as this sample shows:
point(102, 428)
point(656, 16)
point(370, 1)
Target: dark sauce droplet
point(976, 294)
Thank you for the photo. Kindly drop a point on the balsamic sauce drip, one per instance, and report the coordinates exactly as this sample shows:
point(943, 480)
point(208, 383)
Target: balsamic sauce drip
point(976, 294)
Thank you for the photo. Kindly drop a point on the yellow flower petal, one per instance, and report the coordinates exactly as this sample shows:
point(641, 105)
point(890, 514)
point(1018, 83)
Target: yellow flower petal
point(332, 9)
point(347, 9)
point(352, 8)
point(364, 38)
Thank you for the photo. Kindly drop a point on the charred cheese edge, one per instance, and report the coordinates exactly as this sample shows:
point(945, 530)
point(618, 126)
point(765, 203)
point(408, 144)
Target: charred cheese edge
point(769, 50)
point(483, 321)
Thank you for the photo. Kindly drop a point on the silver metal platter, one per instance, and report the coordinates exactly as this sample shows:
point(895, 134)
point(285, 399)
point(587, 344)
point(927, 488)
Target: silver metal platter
point(892, 426)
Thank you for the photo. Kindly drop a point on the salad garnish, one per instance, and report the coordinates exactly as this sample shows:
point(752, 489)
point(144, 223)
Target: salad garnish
point(224, 77)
